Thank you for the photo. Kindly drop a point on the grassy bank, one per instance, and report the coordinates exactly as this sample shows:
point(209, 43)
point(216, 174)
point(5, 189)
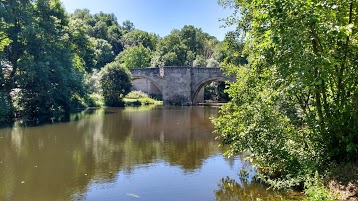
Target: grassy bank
point(137, 98)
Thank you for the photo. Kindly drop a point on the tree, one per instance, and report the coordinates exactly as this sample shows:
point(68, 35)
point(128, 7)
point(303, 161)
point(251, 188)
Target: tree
point(82, 44)
point(115, 83)
point(138, 37)
point(170, 51)
point(114, 35)
point(38, 73)
point(294, 105)
point(213, 63)
point(192, 38)
point(231, 51)
point(103, 52)
point(47, 79)
point(127, 26)
point(209, 47)
point(100, 26)
point(15, 20)
point(135, 57)
point(199, 61)
point(182, 47)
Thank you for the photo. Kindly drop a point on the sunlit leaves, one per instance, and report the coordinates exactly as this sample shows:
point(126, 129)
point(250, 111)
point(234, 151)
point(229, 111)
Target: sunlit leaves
point(42, 74)
point(115, 83)
point(135, 57)
point(4, 41)
point(299, 88)
point(138, 37)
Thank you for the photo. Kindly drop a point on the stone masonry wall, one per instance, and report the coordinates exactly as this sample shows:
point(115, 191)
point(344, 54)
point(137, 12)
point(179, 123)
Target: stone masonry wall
point(180, 85)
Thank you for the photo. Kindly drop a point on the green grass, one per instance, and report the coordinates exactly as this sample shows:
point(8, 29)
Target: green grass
point(138, 98)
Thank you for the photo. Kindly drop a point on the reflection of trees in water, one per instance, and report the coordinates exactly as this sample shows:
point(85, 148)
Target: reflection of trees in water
point(231, 190)
point(180, 136)
point(189, 156)
point(54, 162)
point(58, 161)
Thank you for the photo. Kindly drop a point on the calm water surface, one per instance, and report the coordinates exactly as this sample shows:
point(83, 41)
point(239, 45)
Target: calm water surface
point(144, 153)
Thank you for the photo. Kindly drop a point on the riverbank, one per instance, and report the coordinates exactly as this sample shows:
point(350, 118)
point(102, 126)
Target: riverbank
point(141, 101)
point(138, 98)
point(216, 104)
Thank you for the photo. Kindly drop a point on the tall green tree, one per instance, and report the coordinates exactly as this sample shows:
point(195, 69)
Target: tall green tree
point(135, 57)
point(182, 47)
point(81, 44)
point(294, 105)
point(103, 53)
point(139, 37)
point(231, 50)
point(170, 51)
point(38, 71)
point(100, 26)
point(193, 38)
point(16, 21)
point(127, 26)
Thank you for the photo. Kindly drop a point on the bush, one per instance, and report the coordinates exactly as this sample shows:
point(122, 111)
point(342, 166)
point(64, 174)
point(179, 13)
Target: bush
point(116, 83)
point(137, 98)
point(136, 95)
point(146, 101)
point(78, 102)
point(315, 190)
point(95, 100)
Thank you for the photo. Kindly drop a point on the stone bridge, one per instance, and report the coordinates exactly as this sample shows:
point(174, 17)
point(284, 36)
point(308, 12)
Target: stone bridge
point(177, 85)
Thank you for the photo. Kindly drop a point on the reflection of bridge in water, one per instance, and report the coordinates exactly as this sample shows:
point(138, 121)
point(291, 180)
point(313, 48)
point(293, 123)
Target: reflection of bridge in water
point(182, 85)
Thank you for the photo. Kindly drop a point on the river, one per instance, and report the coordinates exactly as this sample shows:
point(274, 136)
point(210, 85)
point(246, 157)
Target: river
point(133, 153)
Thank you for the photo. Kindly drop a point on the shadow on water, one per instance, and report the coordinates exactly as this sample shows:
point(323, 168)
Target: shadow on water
point(43, 120)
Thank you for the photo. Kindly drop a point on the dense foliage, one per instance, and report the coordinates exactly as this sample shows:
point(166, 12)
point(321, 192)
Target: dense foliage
point(182, 47)
point(50, 60)
point(294, 105)
point(115, 83)
point(135, 57)
point(37, 76)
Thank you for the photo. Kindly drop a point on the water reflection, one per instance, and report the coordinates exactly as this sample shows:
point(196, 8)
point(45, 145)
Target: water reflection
point(232, 190)
point(116, 154)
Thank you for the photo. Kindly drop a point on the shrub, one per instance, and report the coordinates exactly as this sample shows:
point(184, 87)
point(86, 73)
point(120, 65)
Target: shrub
point(136, 95)
point(116, 83)
point(315, 190)
point(146, 101)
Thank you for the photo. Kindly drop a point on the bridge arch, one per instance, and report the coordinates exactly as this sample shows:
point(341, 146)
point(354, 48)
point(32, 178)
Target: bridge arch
point(202, 83)
point(147, 88)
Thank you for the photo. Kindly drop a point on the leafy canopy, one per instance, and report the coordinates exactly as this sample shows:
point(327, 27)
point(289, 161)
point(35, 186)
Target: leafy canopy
point(135, 57)
point(294, 105)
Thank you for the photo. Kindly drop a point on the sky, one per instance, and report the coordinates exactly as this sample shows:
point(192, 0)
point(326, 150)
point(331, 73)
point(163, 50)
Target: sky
point(160, 16)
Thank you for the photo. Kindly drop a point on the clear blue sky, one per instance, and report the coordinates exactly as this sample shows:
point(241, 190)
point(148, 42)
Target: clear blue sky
point(160, 16)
